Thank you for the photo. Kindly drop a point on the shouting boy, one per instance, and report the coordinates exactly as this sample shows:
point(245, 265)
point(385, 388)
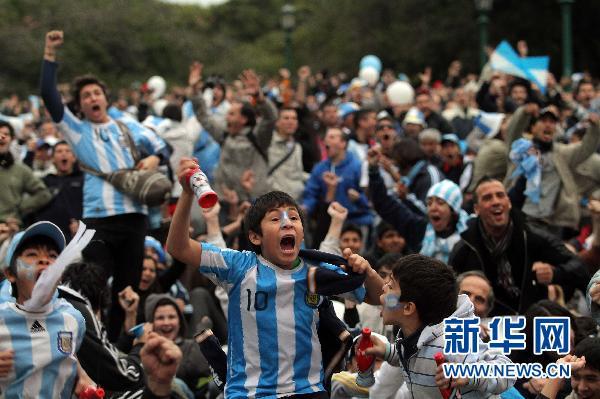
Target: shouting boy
point(274, 349)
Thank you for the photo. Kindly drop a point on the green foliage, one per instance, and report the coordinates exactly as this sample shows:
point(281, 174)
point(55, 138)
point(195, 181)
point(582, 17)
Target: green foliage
point(127, 40)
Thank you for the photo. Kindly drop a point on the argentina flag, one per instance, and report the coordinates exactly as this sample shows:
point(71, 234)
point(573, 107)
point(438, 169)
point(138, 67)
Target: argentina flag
point(535, 69)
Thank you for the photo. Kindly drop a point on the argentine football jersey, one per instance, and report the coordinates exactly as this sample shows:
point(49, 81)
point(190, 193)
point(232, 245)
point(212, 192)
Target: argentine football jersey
point(104, 147)
point(273, 347)
point(44, 345)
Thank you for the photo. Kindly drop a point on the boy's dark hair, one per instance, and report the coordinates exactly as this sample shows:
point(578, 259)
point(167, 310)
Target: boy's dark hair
point(590, 348)
point(352, 227)
point(388, 260)
point(80, 82)
point(429, 284)
point(382, 228)
point(259, 209)
point(89, 280)
point(11, 130)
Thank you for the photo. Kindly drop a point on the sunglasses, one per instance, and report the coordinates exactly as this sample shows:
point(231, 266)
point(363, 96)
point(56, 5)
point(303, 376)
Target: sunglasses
point(386, 126)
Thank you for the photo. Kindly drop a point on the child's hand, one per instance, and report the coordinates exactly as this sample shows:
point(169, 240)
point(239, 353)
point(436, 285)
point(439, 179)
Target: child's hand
point(7, 360)
point(337, 211)
point(357, 263)
point(445, 383)
point(186, 165)
point(378, 349)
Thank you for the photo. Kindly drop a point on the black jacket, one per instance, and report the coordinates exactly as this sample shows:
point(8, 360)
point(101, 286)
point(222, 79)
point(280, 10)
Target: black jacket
point(528, 246)
point(109, 368)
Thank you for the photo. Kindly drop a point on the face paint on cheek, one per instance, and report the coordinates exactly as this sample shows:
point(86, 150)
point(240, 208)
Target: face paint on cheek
point(392, 301)
point(25, 270)
point(284, 219)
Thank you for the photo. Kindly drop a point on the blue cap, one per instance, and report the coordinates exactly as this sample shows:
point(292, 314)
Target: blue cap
point(151, 242)
point(47, 229)
point(451, 137)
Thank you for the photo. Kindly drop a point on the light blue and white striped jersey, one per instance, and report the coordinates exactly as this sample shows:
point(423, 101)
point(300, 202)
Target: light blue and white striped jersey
point(104, 147)
point(45, 345)
point(273, 347)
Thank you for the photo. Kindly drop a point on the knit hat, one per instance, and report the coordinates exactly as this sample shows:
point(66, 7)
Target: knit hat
point(151, 305)
point(449, 192)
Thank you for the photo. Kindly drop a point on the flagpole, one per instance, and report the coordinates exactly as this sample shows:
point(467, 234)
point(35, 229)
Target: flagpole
point(567, 38)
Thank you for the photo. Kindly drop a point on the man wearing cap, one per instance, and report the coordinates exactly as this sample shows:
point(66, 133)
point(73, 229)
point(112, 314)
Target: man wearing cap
point(42, 342)
point(21, 193)
point(552, 197)
point(413, 123)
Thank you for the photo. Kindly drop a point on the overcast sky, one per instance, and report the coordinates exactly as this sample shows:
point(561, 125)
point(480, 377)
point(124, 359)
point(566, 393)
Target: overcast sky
point(198, 2)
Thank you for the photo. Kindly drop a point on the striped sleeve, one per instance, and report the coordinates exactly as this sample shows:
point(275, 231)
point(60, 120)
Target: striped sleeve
point(225, 266)
point(144, 138)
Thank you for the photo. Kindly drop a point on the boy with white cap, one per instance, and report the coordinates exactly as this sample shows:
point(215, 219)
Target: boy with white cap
point(42, 340)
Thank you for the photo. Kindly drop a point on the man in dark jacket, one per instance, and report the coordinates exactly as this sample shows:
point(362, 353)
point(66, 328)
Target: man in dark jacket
point(519, 261)
point(66, 187)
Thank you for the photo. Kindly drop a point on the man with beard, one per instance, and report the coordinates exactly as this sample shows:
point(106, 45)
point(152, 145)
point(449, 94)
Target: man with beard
point(66, 186)
point(519, 261)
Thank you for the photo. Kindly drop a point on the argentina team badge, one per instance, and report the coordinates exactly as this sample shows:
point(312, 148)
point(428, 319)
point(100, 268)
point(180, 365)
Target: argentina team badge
point(65, 342)
point(312, 300)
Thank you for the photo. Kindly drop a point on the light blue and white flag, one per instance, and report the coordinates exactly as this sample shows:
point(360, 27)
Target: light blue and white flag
point(535, 69)
point(488, 123)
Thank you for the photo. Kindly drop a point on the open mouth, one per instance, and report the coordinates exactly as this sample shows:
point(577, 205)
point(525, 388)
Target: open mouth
point(435, 218)
point(288, 243)
point(95, 108)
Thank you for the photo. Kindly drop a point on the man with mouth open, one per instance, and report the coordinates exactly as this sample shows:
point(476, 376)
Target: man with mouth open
point(274, 350)
point(552, 202)
point(99, 142)
point(520, 261)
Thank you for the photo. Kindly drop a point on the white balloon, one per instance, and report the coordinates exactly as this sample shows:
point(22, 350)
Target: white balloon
point(369, 74)
point(400, 93)
point(158, 85)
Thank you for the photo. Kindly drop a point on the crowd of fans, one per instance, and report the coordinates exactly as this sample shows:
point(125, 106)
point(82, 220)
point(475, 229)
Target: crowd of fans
point(436, 202)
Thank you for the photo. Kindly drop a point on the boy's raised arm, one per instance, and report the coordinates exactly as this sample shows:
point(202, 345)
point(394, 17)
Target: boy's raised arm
point(179, 243)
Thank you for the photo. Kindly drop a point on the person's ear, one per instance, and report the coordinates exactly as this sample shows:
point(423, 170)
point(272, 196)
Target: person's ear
point(255, 238)
point(409, 308)
point(476, 208)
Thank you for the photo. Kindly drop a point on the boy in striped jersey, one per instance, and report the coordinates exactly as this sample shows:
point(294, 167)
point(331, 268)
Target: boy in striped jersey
point(43, 343)
point(274, 351)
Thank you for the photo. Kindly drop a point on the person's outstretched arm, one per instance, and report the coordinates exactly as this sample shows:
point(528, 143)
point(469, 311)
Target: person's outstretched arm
point(51, 96)
point(179, 243)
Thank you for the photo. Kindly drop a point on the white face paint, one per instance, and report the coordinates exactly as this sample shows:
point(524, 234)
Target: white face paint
point(392, 301)
point(25, 270)
point(284, 219)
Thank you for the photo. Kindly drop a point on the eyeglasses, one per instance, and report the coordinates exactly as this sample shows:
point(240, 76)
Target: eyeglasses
point(386, 126)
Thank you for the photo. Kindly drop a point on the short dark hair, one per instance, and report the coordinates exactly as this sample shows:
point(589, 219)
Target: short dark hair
point(382, 228)
point(172, 111)
point(407, 152)
point(590, 348)
point(483, 180)
point(343, 135)
point(428, 283)
point(247, 111)
point(388, 260)
point(261, 206)
point(352, 227)
point(61, 142)
point(7, 125)
point(360, 115)
point(89, 279)
point(581, 83)
point(80, 82)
